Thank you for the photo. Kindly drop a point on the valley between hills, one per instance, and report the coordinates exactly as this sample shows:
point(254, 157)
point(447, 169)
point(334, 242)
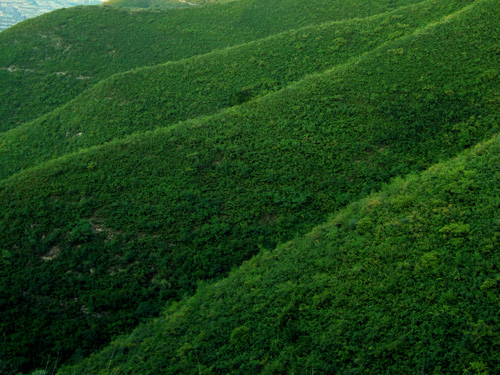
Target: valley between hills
point(14, 11)
point(251, 187)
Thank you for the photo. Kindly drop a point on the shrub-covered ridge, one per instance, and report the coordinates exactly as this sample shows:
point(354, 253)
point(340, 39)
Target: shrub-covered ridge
point(47, 60)
point(164, 95)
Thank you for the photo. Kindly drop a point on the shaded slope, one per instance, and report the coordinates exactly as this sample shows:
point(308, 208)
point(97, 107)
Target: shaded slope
point(160, 96)
point(95, 241)
point(404, 281)
point(86, 44)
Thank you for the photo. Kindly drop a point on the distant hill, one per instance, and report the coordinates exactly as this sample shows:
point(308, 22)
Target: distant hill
point(14, 11)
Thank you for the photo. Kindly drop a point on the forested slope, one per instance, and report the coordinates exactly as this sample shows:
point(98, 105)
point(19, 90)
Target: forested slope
point(163, 95)
point(405, 281)
point(48, 60)
point(95, 241)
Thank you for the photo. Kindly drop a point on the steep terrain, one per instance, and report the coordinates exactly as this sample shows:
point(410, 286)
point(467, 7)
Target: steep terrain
point(161, 178)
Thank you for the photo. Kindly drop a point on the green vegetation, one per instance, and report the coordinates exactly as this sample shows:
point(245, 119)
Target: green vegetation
point(154, 183)
point(404, 281)
point(163, 95)
point(87, 44)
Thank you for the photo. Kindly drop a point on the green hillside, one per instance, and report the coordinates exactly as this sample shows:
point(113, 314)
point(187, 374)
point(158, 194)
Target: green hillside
point(96, 241)
point(405, 281)
point(48, 60)
point(144, 99)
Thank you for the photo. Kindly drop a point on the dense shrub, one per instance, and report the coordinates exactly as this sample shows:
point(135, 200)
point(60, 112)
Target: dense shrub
point(94, 241)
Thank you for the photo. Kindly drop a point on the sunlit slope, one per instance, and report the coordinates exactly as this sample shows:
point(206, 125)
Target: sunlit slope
point(404, 281)
point(73, 48)
point(95, 241)
point(164, 95)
